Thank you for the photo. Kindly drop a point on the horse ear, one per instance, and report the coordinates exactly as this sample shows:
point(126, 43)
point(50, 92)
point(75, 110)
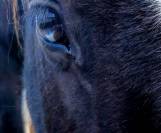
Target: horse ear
point(27, 121)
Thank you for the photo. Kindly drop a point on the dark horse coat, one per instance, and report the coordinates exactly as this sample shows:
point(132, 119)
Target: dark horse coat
point(10, 64)
point(93, 66)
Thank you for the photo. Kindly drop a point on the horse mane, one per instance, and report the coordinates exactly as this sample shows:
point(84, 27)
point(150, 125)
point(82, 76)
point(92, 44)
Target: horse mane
point(16, 21)
point(18, 10)
point(17, 14)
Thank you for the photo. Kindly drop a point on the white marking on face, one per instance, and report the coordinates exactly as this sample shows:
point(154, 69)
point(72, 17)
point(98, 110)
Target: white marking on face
point(27, 122)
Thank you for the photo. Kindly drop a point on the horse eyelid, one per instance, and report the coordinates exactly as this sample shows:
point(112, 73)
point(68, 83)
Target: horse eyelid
point(49, 4)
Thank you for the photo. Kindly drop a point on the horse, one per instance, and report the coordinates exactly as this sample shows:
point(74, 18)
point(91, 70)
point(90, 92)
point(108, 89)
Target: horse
point(92, 66)
point(10, 67)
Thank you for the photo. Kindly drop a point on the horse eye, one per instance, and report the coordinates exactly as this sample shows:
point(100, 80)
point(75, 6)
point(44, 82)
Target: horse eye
point(57, 36)
point(52, 33)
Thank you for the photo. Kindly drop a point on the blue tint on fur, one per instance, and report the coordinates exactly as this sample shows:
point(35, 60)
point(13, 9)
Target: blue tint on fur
point(113, 83)
point(10, 64)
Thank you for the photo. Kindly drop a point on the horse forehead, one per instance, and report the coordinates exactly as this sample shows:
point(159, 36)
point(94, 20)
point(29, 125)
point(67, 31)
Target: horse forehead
point(62, 3)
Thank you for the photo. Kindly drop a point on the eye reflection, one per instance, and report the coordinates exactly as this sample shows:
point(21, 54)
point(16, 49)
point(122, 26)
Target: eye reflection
point(50, 36)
